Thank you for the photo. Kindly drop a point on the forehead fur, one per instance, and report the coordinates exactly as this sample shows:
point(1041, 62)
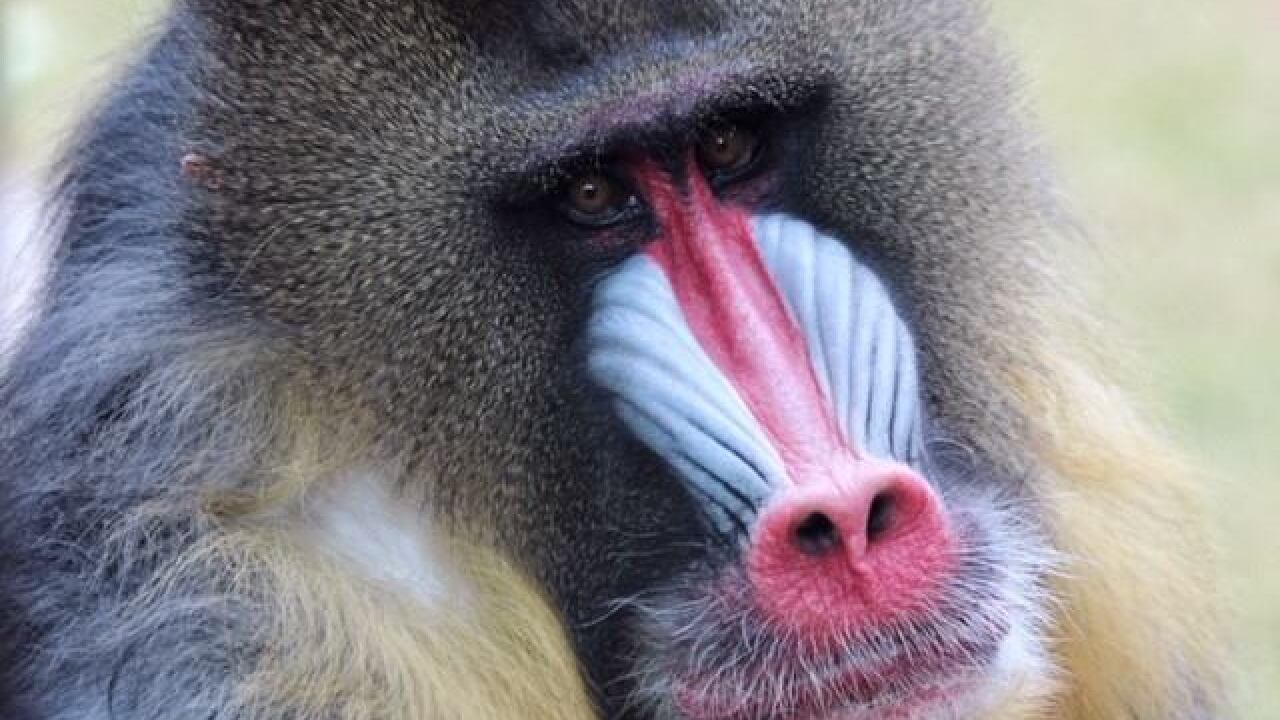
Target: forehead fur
point(382, 90)
point(371, 139)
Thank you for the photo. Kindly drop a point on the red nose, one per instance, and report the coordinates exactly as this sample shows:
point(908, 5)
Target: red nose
point(835, 554)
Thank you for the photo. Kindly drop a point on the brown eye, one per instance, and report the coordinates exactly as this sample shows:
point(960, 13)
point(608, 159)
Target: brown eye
point(597, 199)
point(728, 150)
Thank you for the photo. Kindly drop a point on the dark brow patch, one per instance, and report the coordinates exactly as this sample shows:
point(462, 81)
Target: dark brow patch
point(605, 131)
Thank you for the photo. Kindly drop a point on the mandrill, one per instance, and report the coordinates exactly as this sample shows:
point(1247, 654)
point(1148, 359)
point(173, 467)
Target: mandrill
point(569, 359)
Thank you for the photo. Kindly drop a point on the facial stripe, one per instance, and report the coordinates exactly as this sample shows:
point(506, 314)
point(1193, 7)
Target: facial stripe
point(906, 417)
point(708, 252)
point(880, 388)
point(858, 344)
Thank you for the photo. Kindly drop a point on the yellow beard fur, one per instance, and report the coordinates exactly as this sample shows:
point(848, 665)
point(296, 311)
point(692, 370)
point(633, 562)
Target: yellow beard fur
point(1134, 615)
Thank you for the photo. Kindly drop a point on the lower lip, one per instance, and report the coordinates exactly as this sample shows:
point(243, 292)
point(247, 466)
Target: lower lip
point(929, 680)
point(908, 708)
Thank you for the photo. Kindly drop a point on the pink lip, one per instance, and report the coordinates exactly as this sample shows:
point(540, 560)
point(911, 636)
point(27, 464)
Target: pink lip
point(922, 682)
point(909, 707)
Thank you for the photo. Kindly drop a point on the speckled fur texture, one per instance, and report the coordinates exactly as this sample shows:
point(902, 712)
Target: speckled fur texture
point(343, 281)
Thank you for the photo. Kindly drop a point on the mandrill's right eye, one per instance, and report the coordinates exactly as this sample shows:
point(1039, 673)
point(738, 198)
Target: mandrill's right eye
point(597, 199)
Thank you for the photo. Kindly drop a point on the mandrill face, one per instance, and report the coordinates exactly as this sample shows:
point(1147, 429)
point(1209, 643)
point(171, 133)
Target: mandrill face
point(565, 359)
point(700, 312)
point(850, 572)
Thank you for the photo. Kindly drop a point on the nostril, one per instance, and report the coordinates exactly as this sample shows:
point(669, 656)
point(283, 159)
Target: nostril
point(816, 535)
point(880, 516)
point(850, 550)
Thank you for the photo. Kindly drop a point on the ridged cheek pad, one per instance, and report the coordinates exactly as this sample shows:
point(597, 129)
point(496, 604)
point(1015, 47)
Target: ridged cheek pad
point(672, 395)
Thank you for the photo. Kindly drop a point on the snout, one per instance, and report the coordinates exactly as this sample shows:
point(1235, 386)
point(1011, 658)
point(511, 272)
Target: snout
point(859, 546)
point(783, 388)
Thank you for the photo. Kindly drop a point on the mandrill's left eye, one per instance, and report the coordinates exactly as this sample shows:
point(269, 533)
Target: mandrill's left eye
point(728, 151)
point(597, 199)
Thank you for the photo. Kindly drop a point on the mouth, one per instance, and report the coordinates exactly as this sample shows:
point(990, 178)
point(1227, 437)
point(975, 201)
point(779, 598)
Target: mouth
point(710, 649)
point(906, 684)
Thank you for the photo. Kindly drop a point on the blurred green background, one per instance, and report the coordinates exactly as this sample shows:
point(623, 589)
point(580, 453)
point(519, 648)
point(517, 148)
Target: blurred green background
point(1166, 118)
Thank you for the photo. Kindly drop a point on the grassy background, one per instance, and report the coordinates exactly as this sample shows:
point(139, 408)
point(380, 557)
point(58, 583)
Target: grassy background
point(1166, 117)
